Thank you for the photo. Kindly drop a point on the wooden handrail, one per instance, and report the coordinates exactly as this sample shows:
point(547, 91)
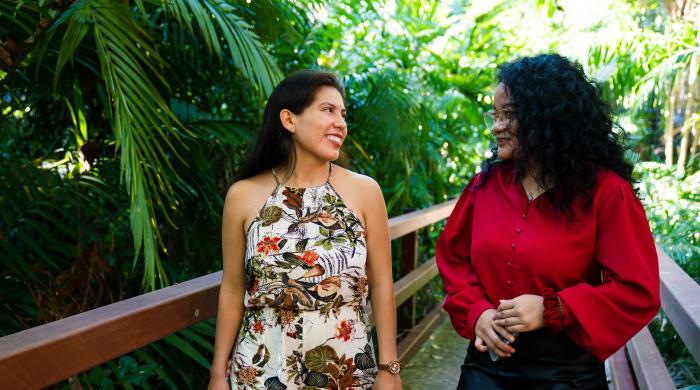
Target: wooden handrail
point(406, 227)
point(408, 285)
point(44, 355)
point(415, 338)
point(41, 356)
point(410, 222)
point(621, 371)
point(49, 353)
point(680, 300)
point(649, 367)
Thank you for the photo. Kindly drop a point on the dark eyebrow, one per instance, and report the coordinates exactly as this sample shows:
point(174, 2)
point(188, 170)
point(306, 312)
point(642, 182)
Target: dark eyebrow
point(332, 105)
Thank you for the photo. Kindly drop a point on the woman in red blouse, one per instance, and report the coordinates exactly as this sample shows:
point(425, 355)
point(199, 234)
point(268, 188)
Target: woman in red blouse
point(547, 259)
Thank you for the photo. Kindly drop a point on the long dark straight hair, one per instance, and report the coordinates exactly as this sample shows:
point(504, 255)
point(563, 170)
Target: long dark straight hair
point(274, 147)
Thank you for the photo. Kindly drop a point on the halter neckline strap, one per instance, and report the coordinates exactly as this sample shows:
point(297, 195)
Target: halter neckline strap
point(281, 184)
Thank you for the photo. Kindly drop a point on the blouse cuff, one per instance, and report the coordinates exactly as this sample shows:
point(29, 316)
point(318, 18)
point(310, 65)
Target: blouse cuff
point(553, 315)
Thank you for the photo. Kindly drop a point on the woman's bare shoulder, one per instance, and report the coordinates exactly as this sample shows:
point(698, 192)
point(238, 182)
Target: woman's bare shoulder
point(360, 192)
point(350, 179)
point(252, 186)
point(247, 196)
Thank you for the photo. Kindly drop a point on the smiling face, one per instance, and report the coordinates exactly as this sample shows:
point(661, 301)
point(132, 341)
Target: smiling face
point(320, 129)
point(505, 131)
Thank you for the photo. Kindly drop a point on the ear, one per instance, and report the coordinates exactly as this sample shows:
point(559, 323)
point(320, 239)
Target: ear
point(287, 119)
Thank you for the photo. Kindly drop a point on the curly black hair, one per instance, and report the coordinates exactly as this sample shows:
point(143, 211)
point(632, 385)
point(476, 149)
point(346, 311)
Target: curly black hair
point(564, 126)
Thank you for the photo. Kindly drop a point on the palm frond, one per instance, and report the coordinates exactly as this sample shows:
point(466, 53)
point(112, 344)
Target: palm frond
point(225, 132)
point(213, 21)
point(387, 115)
point(141, 119)
point(44, 214)
point(188, 349)
point(639, 67)
point(75, 32)
point(19, 16)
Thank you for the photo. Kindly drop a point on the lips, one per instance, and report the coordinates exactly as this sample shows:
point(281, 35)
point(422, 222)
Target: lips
point(502, 140)
point(334, 139)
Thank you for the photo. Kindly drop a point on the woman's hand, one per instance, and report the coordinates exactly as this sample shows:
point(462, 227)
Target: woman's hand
point(387, 381)
point(218, 383)
point(487, 331)
point(521, 314)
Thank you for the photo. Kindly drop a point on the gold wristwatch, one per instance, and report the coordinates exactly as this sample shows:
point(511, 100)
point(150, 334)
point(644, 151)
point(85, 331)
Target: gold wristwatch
point(393, 367)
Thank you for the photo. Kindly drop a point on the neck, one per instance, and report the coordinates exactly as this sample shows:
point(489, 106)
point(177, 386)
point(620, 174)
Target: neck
point(307, 172)
point(530, 176)
point(531, 183)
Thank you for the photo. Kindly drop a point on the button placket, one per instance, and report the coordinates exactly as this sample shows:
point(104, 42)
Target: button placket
point(513, 245)
point(509, 264)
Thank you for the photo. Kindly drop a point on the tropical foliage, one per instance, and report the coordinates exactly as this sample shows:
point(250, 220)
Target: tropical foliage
point(123, 122)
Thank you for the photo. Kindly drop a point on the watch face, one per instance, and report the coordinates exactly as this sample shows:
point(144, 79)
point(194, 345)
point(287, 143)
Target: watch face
point(394, 367)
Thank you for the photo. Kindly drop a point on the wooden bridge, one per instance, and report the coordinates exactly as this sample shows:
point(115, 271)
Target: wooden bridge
point(47, 354)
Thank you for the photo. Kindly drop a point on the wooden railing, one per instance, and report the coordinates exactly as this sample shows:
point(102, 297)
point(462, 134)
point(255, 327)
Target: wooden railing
point(47, 354)
point(640, 361)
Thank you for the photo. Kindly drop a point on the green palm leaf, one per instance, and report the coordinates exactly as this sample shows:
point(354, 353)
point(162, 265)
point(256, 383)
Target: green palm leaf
point(44, 216)
point(162, 374)
point(390, 118)
point(140, 118)
point(215, 21)
point(18, 16)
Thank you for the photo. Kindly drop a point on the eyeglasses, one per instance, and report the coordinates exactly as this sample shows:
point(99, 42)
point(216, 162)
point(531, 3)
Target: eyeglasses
point(491, 117)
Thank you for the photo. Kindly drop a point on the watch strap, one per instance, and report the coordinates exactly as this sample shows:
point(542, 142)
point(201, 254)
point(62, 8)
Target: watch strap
point(393, 367)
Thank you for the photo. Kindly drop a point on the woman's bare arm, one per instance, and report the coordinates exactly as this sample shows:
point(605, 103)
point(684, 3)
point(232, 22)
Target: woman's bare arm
point(380, 279)
point(233, 282)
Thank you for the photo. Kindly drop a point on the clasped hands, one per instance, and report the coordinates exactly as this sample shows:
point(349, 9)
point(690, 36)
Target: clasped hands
point(520, 314)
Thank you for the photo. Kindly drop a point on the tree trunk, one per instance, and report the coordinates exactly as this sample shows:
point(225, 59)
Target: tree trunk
point(690, 96)
point(683, 151)
point(668, 128)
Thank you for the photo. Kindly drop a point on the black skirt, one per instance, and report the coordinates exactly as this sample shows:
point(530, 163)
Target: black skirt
point(542, 360)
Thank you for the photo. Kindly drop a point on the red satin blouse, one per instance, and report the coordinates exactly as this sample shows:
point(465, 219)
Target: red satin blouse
point(603, 265)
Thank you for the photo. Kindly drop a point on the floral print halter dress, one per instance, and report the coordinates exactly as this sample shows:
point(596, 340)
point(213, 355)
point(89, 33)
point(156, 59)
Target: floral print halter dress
point(304, 324)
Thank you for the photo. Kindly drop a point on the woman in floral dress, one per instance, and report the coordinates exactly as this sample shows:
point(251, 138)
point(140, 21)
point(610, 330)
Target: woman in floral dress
point(304, 241)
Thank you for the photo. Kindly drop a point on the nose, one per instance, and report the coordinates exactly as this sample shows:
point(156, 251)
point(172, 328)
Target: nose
point(340, 123)
point(499, 126)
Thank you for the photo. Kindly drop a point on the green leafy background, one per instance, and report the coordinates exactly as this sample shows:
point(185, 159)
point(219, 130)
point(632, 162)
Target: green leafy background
point(122, 124)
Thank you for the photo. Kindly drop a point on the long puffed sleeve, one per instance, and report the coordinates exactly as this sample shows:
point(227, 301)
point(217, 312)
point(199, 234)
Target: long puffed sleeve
point(606, 316)
point(465, 299)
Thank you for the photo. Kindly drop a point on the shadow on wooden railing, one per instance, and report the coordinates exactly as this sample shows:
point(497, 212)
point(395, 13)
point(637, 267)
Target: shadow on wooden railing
point(47, 354)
